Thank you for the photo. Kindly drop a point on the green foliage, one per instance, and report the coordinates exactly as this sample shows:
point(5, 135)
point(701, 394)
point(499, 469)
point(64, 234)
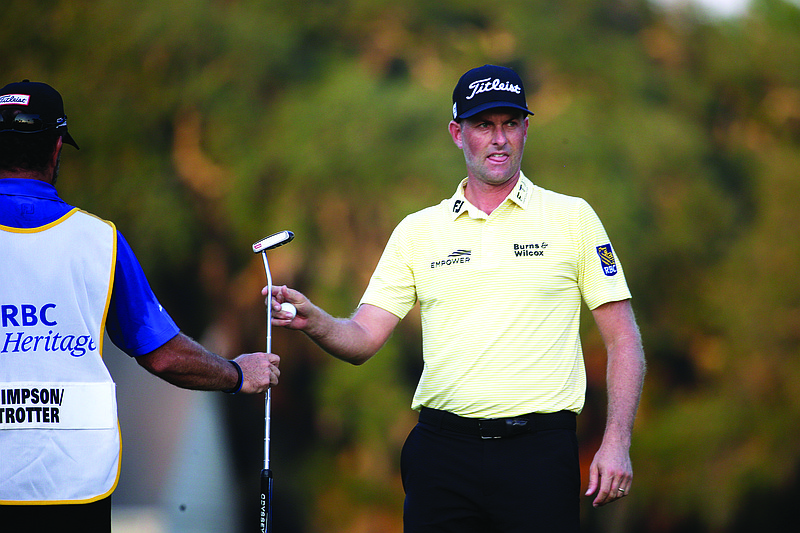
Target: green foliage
point(207, 125)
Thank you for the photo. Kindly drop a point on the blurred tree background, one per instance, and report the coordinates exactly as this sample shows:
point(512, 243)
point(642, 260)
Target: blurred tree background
point(207, 125)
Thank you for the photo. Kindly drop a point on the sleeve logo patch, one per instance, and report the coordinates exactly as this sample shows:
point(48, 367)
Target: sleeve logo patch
point(607, 260)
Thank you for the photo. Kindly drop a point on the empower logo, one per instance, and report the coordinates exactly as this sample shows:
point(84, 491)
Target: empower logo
point(457, 257)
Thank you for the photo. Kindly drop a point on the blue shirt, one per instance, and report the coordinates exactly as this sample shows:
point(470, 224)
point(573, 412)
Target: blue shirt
point(136, 322)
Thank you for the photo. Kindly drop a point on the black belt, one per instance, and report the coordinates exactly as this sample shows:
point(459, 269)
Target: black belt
point(497, 428)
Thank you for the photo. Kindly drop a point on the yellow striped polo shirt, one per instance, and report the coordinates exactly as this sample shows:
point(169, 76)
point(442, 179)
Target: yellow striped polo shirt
point(500, 299)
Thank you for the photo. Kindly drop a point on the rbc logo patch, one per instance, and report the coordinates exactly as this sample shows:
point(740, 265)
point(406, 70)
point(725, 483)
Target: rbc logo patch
point(607, 260)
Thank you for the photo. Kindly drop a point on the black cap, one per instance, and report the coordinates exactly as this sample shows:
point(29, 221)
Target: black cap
point(35, 107)
point(487, 87)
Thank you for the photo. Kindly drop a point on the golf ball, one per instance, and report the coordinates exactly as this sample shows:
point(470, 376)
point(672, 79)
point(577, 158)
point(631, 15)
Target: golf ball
point(286, 307)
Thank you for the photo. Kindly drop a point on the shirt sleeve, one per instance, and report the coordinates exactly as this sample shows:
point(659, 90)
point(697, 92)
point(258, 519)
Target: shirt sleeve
point(136, 323)
point(392, 286)
point(600, 276)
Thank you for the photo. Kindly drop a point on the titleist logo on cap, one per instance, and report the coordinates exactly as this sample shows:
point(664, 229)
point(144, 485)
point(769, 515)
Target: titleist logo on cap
point(489, 84)
point(488, 87)
point(15, 99)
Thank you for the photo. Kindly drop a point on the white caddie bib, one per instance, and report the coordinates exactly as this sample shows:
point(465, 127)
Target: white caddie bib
point(59, 434)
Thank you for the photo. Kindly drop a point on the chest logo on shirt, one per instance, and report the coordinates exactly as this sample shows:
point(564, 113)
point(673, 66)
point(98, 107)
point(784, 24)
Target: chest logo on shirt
point(457, 257)
point(607, 260)
point(530, 250)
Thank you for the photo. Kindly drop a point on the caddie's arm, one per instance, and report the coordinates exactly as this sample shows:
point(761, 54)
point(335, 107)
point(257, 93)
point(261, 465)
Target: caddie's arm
point(185, 363)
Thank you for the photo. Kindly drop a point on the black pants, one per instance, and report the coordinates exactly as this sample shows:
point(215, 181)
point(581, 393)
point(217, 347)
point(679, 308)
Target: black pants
point(87, 518)
point(462, 483)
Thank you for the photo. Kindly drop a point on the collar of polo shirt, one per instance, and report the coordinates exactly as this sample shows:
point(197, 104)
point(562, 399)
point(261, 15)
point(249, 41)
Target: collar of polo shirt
point(521, 195)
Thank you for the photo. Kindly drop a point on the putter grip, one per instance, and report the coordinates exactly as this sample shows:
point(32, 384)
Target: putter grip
point(266, 501)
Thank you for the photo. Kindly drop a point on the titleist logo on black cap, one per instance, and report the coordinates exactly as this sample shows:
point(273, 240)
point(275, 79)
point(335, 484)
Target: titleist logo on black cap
point(43, 109)
point(488, 87)
point(489, 84)
point(15, 99)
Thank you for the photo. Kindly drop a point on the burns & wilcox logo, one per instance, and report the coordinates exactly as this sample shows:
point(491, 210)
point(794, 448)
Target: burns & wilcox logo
point(530, 250)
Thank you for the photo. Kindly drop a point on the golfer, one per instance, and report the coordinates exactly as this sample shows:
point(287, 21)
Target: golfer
point(500, 270)
point(68, 276)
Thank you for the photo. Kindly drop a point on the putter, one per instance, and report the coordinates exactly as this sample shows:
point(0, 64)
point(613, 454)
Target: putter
point(268, 243)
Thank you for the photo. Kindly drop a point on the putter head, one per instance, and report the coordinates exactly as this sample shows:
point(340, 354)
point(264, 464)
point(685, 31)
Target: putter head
point(273, 241)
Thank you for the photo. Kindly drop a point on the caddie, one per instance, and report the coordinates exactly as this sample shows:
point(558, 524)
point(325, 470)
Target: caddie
point(67, 277)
